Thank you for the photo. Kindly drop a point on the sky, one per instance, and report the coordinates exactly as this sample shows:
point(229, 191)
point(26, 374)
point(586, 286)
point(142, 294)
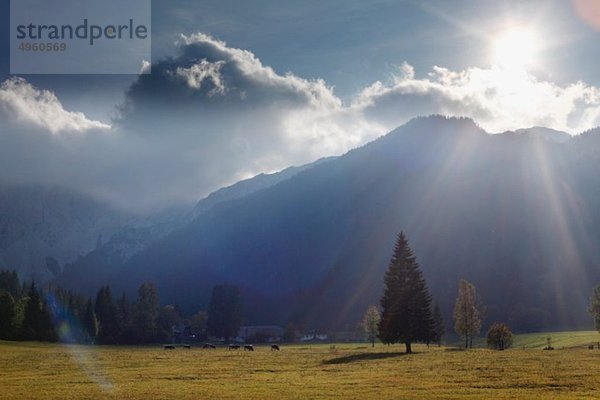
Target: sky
point(243, 87)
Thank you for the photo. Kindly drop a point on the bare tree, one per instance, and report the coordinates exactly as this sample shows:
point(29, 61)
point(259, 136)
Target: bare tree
point(370, 322)
point(594, 309)
point(467, 312)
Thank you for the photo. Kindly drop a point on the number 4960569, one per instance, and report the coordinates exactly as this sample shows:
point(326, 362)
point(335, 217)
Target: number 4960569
point(27, 46)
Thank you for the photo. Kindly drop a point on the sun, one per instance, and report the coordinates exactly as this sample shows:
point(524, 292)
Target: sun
point(515, 49)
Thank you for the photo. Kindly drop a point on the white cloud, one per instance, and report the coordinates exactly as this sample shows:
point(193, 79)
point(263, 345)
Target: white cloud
point(24, 103)
point(214, 114)
point(246, 72)
point(226, 116)
point(498, 99)
point(197, 73)
point(146, 67)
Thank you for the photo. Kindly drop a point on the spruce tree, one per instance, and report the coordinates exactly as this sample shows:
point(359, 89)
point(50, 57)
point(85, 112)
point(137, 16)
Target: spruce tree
point(47, 332)
point(8, 310)
point(106, 314)
point(224, 312)
point(124, 319)
point(438, 324)
point(9, 281)
point(37, 319)
point(145, 314)
point(32, 316)
point(90, 323)
point(406, 303)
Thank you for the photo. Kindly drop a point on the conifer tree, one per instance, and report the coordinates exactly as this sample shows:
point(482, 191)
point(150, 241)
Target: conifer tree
point(37, 321)
point(31, 315)
point(9, 281)
point(124, 319)
point(145, 314)
point(406, 303)
point(90, 323)
point(8, 310)
point(438, 324)
point(106, 314)
point(224, 312)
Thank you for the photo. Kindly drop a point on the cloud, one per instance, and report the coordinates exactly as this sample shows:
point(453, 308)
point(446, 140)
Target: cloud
point(146, 67)
point(498, 99)
point(207, 117)
point(213, 114)
point(206, 66)
point(223, 115)
point(199, 72)
point(22, 102)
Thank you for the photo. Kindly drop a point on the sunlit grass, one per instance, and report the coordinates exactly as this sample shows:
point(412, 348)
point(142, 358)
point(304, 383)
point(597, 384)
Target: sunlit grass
point(43, 371)
point(538, 340)
point(559, 339)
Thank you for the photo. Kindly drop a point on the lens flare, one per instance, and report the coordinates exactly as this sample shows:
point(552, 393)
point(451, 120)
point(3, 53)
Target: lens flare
point(588, 11)
point(69, 330)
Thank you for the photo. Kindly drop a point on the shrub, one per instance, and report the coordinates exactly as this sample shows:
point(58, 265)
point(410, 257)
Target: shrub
point(499, 337)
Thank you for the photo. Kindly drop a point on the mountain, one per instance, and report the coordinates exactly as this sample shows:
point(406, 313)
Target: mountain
point(249, 186)
point(516, 214)
point(551, 135)
point(108, 258)
point(43, 228)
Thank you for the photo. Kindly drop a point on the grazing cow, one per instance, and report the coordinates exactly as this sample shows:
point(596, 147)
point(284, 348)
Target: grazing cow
point(187, 346)
point(591, 347)
point(274, 347)
point(209, 346)
point(233, 347)
point(249, 347)
point(169, 347)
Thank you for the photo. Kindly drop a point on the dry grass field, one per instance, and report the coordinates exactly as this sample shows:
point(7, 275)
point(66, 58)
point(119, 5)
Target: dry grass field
point(351, 371)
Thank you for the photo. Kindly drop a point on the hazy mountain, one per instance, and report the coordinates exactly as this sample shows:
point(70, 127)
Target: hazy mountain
point(107, 258)
point(546, 133)
point(516, 214)
point(43, 228)
point(249, 186)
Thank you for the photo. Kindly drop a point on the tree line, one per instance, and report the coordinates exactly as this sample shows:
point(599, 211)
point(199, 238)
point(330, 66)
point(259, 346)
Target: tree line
point(409, 315)
point(54, 314)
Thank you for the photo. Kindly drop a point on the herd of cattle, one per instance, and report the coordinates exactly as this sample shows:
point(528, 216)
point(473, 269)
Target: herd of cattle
point(247, 347)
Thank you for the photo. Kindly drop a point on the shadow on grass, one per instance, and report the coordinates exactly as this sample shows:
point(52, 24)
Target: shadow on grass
point(362, 357)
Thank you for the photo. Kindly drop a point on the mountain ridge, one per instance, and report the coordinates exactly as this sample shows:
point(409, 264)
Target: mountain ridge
point(494, 209)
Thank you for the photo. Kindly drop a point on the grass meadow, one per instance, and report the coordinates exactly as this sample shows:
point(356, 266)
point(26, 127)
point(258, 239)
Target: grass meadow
point(352, 371)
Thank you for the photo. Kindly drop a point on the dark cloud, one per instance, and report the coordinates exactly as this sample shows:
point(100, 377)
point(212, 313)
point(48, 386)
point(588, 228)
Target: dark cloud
point(214, 114)
point(208, 117)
